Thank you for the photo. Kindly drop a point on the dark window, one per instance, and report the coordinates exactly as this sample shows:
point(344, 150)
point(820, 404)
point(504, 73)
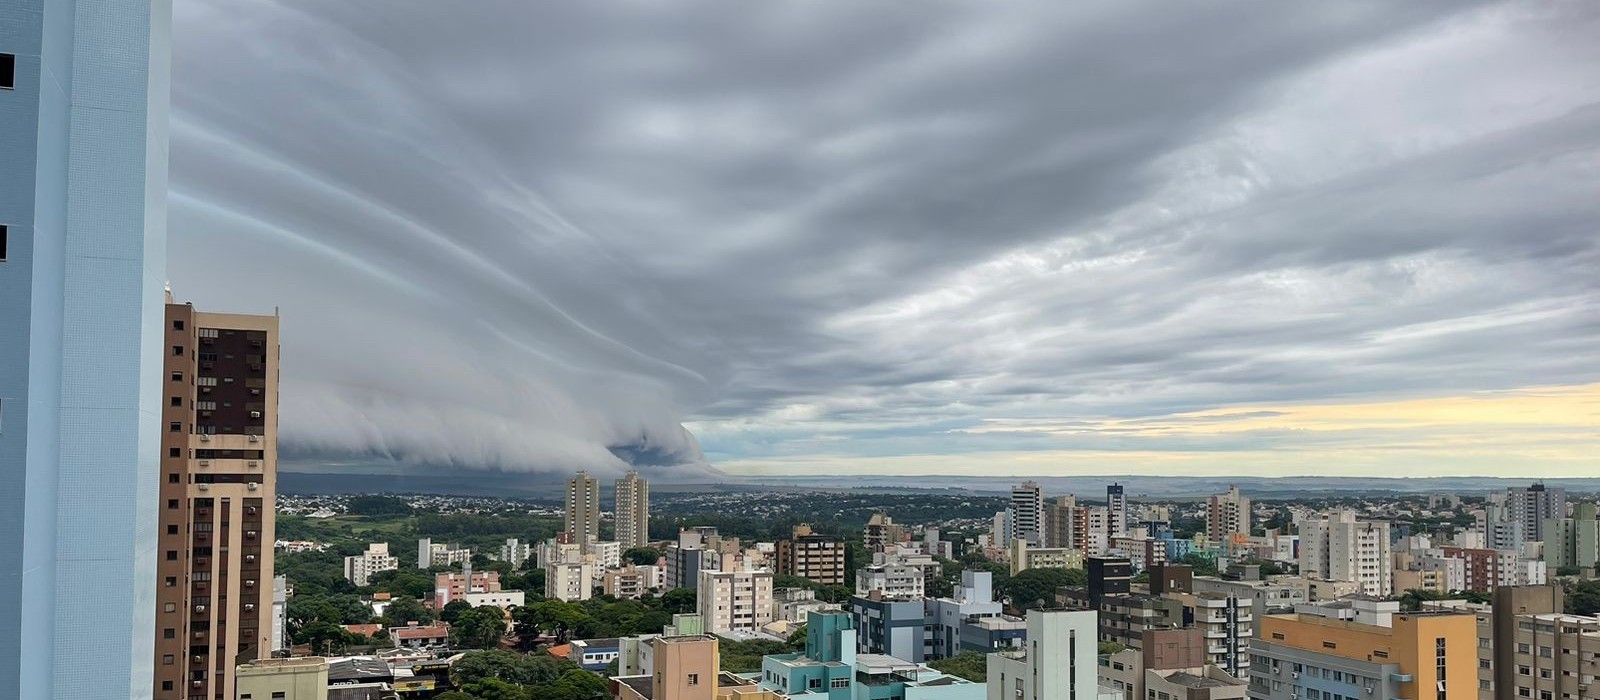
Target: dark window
point(166, 685)
point(166, 660)
point(172, 503)
point(177, 376)
point(174, 427)
point(169, 633)
point(174, 451)
point(171, 581)
point(177, 325)
point(177, 351)
point(172, 529)
point(8, 72)
point(172, 555)
point(177, 402)
point(2, 242)
point(172, 478)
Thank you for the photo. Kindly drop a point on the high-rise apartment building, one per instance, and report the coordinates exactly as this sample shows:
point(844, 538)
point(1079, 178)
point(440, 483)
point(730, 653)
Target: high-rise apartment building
point(1058, 661)
point(219, 457)
point(1228, 515)
point(809, 555)
point(358, 569)
point(1527, 508)
point(1027, 513)
point(734, 601)
point(1116, 511)
point(581, 519)
point(633, 511)
point(1338, 547)
point(1575, 541)
point(83, 186)
point(1065, 524)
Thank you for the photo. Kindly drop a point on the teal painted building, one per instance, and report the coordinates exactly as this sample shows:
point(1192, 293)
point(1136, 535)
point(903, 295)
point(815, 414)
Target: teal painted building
point(831, 669)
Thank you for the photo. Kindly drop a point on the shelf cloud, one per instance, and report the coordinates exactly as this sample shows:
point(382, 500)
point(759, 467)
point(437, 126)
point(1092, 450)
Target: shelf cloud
point(822, 236)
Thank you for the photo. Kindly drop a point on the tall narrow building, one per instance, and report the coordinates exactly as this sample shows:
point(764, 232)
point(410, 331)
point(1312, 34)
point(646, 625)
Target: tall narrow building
point(582, 516)
point(1027, 513)
point(1228, 515)
point(219, 457)
point(633, 511)
point(1116, 510)
point(83, 186)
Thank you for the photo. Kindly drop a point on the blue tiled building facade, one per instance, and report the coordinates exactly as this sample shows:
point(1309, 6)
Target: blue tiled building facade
point(83, 179)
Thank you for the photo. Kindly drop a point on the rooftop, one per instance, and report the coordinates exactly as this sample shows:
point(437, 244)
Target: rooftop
point(1190, 680)
point(639, 684)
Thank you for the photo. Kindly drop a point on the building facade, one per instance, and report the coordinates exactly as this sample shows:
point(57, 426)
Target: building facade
point(581, 516)
point(1116, 511)
point(219, 459)
point(1428, 655)
point(633, 511)
point(819, 558)
point(359, 568)
point(734, 601)
point(83, 186)
point(303, 678)
point(1338, 547)
point(1228, 515)
point(1027, 513)
point(1058, 661)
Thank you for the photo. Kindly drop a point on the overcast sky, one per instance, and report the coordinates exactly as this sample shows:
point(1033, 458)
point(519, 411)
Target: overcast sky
point(899, 237)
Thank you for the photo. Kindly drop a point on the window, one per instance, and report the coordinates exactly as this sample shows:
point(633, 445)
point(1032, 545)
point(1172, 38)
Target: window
point(174, 427)
point(169, 633)
point(3, 231)
point(1330, 645)
point(177, 402)
point(693, 679)
point(171, 581)
point(172, 555)
point(174, 452)
point(811, 683)
point(172, 503)
point(166, 660)
point(177, 325)
point(172, 529)
point(839, 683)
point(8, 81)
point(172, 478)
point(166, 685)
point(177, 351)
point(170, 607)
point(277, 695)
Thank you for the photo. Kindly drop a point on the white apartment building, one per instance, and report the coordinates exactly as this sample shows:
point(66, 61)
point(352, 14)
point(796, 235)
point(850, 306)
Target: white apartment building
point(1027, 512)
point(1338, 547)
point(894, 581)
point(569, 581)
point(607, 555)
point(516, 552)
point(735, 601)
point(359, 568)
point(1060, 659)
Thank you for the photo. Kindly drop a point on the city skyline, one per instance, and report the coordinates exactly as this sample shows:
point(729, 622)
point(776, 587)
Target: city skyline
point(1038, 239)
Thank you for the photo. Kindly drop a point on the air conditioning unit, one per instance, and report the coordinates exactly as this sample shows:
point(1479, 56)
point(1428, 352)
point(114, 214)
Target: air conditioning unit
point(250, 534)
point(1294, 674)
point(255, 392)
point(197, 684)
point(249, 606)
point(252, 463)
point(199, 608)
point(205, 438)
point(255, 438)
point(199, 659)
point(250, 558)
point(249, 582)
point(205, 462)
point(205, 487)
point(205, 390)
point(255, 414)
point(250, 511)
point(252, 486)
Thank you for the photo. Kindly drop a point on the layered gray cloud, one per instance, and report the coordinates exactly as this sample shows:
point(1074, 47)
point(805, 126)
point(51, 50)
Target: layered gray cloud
point(543, 236)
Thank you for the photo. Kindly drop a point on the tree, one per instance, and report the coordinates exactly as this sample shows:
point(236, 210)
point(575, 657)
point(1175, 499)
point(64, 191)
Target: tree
point(495, 689)
point(1584, 598)
point(479, 628)
point(377, 506)
point(1038, 586)
point(453, 695)
point(405, 582)
point(403, 610)
point(576, 684)
point(1107, 648)
point(324, 637)
point(554, 616)
point(642, 556)
point(678, 601)
point(970, 665)
point(453, 609)
point(521, 669)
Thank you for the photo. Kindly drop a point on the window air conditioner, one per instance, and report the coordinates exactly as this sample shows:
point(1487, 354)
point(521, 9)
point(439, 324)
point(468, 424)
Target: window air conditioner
point(255, 438)
point(205, 438)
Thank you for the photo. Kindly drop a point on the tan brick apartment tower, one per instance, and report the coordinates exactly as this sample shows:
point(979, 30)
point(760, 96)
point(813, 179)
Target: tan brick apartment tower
point(219, 456)
point(633, 511)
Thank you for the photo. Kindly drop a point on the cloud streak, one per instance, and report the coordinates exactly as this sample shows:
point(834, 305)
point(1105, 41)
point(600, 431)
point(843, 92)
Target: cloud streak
point(541, 237)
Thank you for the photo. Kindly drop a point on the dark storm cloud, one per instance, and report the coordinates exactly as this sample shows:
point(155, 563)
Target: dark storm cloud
point(540, 236)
